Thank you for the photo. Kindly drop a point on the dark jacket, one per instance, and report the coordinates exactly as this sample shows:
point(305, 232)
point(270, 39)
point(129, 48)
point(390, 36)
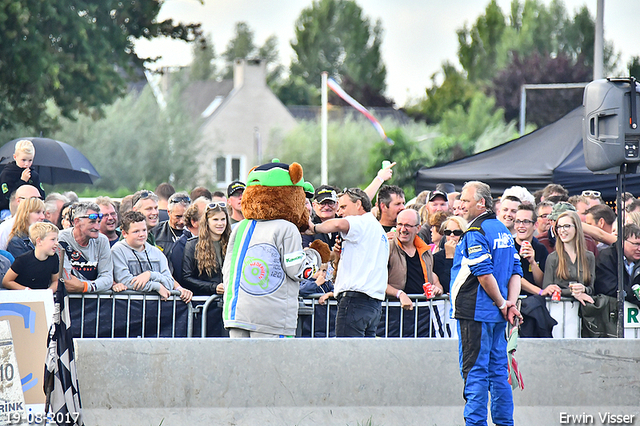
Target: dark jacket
point(442, 268)
point(176, 253)
point(606, 281)
point(192, 279)
point(19, 245)
point(165, 236)
point(10, 181)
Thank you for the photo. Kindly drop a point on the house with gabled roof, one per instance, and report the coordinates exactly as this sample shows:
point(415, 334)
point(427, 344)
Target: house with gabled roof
point(240, 118)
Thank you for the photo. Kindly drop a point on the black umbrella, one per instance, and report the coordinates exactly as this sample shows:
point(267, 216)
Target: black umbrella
point(55, 161)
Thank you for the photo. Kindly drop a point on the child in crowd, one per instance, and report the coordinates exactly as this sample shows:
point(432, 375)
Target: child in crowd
point(37, 268)
point(318, 283)
point(17, 173)
point(137, 265)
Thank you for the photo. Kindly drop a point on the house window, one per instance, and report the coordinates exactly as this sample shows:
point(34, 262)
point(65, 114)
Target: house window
point(229, 168)
point(220, 169)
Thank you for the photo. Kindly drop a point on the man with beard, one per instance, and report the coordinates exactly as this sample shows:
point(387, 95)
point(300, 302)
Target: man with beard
point(109, 222)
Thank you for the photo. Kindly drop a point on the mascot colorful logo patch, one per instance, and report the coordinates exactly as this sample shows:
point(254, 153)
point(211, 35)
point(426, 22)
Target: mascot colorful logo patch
point(262, 272)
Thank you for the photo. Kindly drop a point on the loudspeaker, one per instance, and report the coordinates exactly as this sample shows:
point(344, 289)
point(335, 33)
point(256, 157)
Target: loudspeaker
point(610, 129)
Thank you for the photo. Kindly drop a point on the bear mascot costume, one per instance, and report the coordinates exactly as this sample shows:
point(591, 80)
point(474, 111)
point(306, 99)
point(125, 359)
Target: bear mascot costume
point(265, 260)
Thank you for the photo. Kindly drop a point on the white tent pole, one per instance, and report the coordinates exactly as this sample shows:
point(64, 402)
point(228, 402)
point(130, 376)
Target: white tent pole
point(324, 174)
point(598, 48)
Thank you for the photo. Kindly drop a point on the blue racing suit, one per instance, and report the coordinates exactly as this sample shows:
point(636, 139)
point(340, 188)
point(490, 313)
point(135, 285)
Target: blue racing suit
point(485, 248)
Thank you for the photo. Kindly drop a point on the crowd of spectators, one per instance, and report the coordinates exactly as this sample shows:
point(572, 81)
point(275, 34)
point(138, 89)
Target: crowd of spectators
point(162, 240)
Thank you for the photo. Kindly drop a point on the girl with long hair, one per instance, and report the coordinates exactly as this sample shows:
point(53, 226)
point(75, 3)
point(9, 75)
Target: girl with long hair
point(204, 254)
point(571, 269)
point(29, 212)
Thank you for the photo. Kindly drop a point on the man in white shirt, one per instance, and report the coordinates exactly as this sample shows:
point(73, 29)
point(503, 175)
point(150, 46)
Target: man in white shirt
point(362, 275)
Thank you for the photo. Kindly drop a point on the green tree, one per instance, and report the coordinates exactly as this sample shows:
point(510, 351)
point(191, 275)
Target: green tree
point(335, 36)
point(136, 144)
point(296, 91)
point(634, 67)
point(455, 90)
point(202, 65)
point(408, 156)
point(76, 54)
point(478, 45)
point(242, 46)
point(461, 130)
point(487, 46)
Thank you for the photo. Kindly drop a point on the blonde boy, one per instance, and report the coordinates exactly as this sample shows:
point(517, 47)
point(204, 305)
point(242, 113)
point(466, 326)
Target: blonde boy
point(38, 268)
point(19, 172)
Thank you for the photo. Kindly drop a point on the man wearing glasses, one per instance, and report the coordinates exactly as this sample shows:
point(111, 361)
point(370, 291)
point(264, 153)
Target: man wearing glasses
point(533, 255)
point(168, 232)
point(607, 266)
point(109, 222)
point(410, 266)
point(87, 254)
point(325, 205)
point(146, 202)
point(543, 210)
point(362, 275)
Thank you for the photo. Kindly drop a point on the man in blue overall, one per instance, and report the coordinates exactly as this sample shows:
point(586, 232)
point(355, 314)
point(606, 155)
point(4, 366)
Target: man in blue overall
point(485, 284)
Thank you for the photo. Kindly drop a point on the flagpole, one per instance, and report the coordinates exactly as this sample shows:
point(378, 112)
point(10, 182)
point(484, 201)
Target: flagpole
point(324, 175)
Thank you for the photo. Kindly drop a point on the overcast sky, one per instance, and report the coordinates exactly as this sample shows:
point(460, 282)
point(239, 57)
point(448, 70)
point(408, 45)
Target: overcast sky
point(418, 34)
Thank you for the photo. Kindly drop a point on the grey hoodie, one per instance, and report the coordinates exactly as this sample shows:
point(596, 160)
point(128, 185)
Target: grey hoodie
point(129, 263)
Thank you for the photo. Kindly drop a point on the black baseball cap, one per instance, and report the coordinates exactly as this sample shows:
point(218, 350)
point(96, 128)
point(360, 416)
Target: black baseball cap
point(438, 193)
point(235, 186)
point(325, 192)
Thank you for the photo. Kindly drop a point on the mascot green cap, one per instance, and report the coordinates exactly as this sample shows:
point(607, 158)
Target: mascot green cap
point(278, 174)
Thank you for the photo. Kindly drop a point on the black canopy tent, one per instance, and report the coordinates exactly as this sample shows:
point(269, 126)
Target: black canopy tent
point(552, 154)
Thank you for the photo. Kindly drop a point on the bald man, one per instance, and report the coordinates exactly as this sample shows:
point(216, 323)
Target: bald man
point(23, 192)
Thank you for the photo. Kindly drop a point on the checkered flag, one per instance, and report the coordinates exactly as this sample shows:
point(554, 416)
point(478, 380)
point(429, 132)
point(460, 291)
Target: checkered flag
point(60, 379)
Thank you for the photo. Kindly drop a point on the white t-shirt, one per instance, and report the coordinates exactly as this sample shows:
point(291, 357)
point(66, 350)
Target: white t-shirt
point(363, 262)
point(5, 230)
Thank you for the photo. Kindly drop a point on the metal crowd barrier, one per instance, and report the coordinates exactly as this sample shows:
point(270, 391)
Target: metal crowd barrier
point(130, 314)
point(133, 314)
point(429, 318)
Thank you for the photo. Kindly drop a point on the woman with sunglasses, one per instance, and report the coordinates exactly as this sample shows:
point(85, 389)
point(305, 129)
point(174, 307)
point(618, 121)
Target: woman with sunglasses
point(29, 212)
point(452, 230)
point(571, 269)
point(436, 221)
point(204, 254)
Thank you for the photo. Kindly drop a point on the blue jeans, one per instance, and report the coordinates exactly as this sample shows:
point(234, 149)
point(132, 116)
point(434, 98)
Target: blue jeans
point(483, 364)
point(357, 316)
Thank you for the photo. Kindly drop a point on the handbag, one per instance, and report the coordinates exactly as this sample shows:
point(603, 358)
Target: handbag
point(600, 318)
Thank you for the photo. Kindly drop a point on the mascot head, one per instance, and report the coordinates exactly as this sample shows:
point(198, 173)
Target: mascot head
point(277, 191)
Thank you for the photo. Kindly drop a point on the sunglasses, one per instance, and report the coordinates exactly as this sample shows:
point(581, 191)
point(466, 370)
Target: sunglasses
point(141, 196)
point(591, 194)
point(176, 200)
point(215, 204)
point(92, 216)
point(456, 232)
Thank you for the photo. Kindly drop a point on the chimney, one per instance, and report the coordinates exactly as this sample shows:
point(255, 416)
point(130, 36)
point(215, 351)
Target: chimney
point(250, 72)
